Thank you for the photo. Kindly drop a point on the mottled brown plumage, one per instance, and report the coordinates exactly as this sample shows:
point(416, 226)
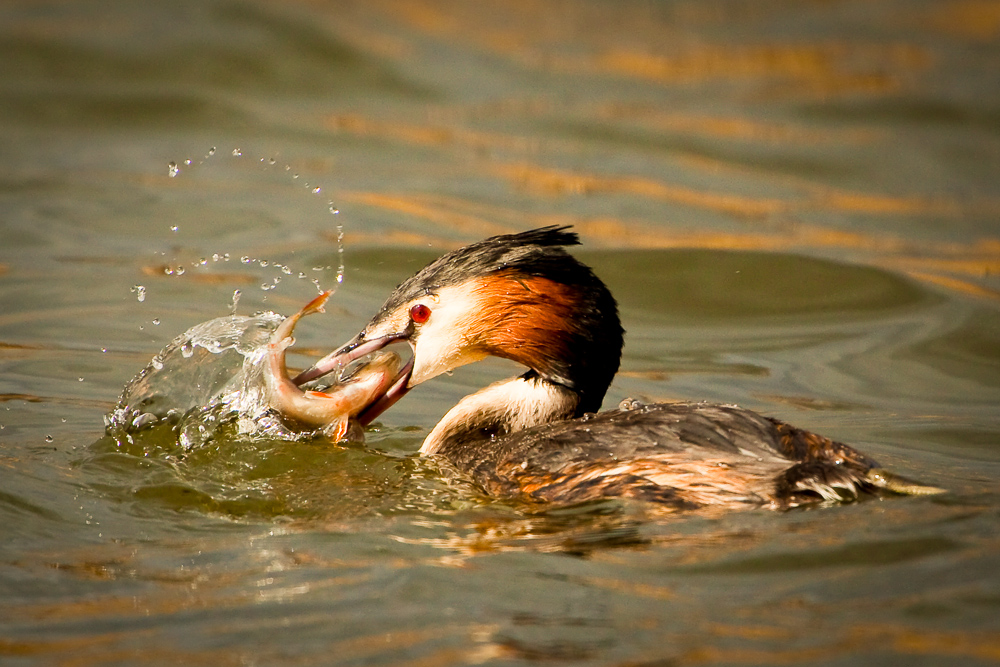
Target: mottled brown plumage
point(684, 455)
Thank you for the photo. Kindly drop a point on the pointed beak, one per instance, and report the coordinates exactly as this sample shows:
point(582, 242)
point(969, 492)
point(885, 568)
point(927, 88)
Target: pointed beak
point(338, 360)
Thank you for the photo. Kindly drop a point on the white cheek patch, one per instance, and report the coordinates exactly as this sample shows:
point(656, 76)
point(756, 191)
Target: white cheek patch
point(448, 339)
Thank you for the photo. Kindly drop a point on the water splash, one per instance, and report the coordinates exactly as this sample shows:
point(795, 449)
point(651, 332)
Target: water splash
point(340, 251)
point(267, 162)
point(209, 376)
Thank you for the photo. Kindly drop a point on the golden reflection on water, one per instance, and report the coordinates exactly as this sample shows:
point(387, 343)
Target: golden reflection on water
point(732, 127)
point(788, 213)
point(971, 19)
point(824, 69)
point(574, 40)
point(954, 266)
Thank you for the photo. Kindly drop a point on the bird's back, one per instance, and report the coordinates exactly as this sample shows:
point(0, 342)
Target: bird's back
point(685, 455)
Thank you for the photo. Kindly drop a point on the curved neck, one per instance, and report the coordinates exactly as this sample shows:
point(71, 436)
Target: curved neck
point(567, 333)
point(502, 408)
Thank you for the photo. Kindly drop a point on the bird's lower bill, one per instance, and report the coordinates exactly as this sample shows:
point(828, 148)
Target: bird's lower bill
point(337, 361)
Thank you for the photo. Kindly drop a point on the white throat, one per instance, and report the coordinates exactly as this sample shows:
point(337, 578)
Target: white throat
point(513, 404)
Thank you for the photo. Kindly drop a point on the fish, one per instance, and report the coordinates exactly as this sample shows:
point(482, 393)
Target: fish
point(333, 409)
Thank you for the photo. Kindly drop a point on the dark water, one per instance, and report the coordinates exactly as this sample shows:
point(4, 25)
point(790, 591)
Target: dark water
point(796, 204)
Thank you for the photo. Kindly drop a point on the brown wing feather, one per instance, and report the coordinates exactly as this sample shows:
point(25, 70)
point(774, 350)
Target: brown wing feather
point(681, 454)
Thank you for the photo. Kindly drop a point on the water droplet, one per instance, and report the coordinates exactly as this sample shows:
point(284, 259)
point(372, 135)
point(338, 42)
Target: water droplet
point(216, 257)
point(334, 210)
point(265, 286)
point(263, 263)
point(301, 275)
point(202, 262)
point(49, 438)
point(245, 259)
point(156, 321)
point(63, 420)
point(187, 350)
point(173, 228)
point(236, 300)
point(272, 162)
point(173, 169)
point(157, 363)
point(316, 190)
point(167, 270)
point(104, 349)
point(211, 151)
point(295, 175)
point(180, 270)
point(79, 379)
point(140, 292)
point(287, 271)
point(340, 254)
point(237, 152)
point(187, 162)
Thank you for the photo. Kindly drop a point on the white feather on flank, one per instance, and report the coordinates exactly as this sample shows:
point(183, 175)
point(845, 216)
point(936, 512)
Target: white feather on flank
point(517, 403)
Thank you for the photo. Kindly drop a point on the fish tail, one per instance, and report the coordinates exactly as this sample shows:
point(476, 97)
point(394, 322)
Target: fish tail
point(316, 305)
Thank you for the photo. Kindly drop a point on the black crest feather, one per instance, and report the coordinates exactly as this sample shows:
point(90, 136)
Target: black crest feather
point(538, 252)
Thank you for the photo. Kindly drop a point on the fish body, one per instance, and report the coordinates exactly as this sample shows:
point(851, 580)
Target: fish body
point(329, 410)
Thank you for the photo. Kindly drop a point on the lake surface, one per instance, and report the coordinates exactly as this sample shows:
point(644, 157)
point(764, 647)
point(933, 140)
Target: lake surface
point(796, 204)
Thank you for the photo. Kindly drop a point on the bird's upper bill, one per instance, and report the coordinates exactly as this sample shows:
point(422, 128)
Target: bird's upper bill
point(340, 359)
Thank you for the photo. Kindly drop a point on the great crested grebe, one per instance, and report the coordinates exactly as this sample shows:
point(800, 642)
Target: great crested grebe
point(523, 297)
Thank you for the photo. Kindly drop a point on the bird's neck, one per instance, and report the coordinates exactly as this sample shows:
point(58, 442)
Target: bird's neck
point(500, 409)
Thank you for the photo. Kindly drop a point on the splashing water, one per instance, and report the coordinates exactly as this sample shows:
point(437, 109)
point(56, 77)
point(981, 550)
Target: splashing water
point(173, 169)
point(210, 376)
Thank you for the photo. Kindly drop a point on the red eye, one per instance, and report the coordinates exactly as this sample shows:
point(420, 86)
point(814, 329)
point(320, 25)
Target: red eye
point(420, 313)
